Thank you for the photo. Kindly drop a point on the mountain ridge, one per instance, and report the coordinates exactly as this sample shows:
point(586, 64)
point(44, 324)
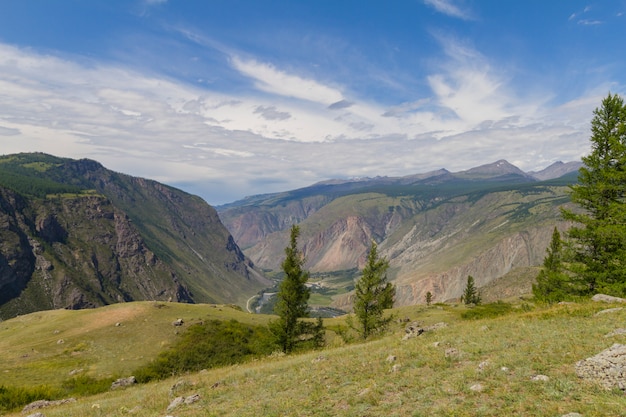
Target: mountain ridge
point(103, 237)
point(434, 229)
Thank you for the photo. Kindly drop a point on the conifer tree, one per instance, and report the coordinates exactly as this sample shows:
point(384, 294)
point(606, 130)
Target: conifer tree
point(470, 294)
point(429, 298)
point(373, 295)
point(292, 298)
point(598, 238)
point(553, 284)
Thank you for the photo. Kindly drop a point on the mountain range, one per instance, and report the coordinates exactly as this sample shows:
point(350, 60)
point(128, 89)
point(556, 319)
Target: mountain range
point(74, 234)
point(434, 228)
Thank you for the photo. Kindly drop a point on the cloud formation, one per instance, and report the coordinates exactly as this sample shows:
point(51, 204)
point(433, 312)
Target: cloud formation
point(448, 7)
point(288, 131)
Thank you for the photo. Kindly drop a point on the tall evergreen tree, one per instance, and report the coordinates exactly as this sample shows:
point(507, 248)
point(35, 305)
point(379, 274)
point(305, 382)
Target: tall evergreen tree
point(470, 294)
point(293, 296)
point(598, 239)
point(553, 284)
point(373, 294)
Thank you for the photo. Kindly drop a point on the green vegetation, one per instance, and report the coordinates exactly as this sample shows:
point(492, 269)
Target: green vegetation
point(553, 284)
point(598, 238)
point(292, 299)
point(15, 397)
point(501, 353)
point(593, 259)
point(373, 294)
point(484, 311)
point(470, 293)
point(209, 345)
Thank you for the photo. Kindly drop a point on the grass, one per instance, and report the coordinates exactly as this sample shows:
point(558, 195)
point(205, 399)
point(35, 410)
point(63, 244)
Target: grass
point(501, 354)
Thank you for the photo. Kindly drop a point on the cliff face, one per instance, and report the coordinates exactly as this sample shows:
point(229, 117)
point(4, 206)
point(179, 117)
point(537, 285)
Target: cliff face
point(119, 239)
point(434, 233)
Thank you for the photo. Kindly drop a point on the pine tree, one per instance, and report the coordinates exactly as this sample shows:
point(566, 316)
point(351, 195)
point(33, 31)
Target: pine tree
point(470, 294)
point(598, 239)
point(373, 295)
point(292, 298)
point(553, 284)
point(429, 298)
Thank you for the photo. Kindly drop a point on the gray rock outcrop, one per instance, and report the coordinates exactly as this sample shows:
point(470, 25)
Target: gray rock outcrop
point(607, 368)
point(607, 298)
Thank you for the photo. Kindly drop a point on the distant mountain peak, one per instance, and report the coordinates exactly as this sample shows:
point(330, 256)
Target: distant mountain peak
point(495, 169)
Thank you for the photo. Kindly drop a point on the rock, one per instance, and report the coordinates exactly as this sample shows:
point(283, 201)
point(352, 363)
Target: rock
point(504, 369)
point(183, 400)
point(608, 310)
point(396, 368)
point(483, 365)
point(179, 386)
point(45, 403)
point(192, 399)
point(477, 388)
point(123, 382)
point(178, 322)
point(175, 403)
point(541, 378)
point(414, 329)
point(572, 415)
point(607, 368)
point(607, 299)
point(452, 353)
point(36, 415)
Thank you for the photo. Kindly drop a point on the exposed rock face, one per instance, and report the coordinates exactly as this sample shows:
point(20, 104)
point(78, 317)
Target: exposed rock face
point(607, 368)
point(435, 230)
point(126, 239)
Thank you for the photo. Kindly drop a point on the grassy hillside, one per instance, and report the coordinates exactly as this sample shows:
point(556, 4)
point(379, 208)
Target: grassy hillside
point(479, 367)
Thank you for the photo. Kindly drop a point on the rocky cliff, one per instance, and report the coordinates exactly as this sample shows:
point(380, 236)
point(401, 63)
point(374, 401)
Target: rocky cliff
point(435, 230)
point(114, 238)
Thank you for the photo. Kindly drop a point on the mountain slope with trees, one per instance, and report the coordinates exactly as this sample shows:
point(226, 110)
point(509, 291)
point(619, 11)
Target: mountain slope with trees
point(77, 235)
point(435, 228)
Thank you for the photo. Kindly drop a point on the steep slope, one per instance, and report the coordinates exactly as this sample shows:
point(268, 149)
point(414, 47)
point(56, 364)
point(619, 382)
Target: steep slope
point(112, 238)
point(435, 230)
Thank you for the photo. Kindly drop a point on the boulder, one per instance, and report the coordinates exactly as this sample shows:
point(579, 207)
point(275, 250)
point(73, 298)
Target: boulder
point(123, 382)
point(45, 403)
point(607, 299)
point(607, 368)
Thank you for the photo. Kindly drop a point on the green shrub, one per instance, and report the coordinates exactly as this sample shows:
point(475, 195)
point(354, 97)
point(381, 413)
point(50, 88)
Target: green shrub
point(12, 398)
point(84, 385)
point(487, 311)
point(212, 344)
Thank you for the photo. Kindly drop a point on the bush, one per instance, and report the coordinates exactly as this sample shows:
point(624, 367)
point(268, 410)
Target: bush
point(487, 311)
point(209, 345)
point(12, 398)
point(84, 385)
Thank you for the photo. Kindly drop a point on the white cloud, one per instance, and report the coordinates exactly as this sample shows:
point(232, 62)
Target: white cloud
point(271, 80)
point(449, 8)
point(224, 146)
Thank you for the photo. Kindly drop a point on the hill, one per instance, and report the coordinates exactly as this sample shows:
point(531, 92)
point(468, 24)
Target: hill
point(486, 366)
point(435, 228)
point(76, 235)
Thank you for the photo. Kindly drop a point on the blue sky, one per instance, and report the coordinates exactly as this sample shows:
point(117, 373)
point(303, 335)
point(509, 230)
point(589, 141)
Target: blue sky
point(228, 98)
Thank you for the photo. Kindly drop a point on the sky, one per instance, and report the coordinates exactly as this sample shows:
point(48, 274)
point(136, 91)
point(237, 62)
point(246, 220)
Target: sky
point(230, 98)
